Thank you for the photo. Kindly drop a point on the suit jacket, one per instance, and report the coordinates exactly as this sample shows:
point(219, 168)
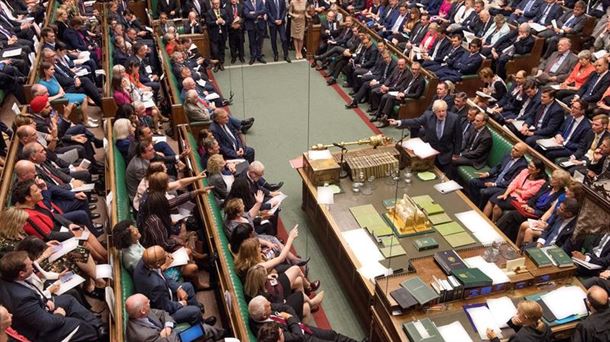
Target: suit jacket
point(195, 113)
point(230, 17)
point(418, 32)
point(166, 6)
point(467, 63)
point(253, 14)
point(51, 174)
point(578, 135)
point(390, 17)
point(415, 87)
point(530, 107)
point(216, 31)
point(195, 28)
point(135, 171)
point(138, 331)
point(576, 24)
point(190, 6)
point(604, 259)
point(564, 69)
point(549, 124)
point(30, 317)
point(380, 68)
point(291, 330)
point(595, 328)
point(397, 79)
point(512, 100)
point(274, 13)
point(593, 89)
point(74, 40)
point(150, 283)
point(564, 235)
point(319, 3)
point(450, 142)
point(367, 57)
point(477, 147)
point(220, 187)
point(344, 36)
point(532, 11)
point(585, 144)
point(554, 13)
point(451, 54)
point(440, 49)
point(514, 170)
point(225, 141)
point(521, 47)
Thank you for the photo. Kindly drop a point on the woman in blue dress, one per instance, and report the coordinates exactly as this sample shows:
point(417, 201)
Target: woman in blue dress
point(47, 78)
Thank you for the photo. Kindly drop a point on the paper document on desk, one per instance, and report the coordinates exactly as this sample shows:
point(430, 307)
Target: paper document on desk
point(84, 188)
point(600, 54)
point(373, 269)
point(275, 202)
point(180, 257)
point(537, 27)
point(11, 53)
point(548, 144)
point(482, 319)
point(480, 227)
point(68, 283)
point(454, 332)
point(103, 271)
point(319, 155)
point(447, 187)
point(586, 264)
point(362, 245)
point(421, 149)
point(518, 124)
point(566, 301)
point(212, 96)
point(502, 309)
point(82, 72)
point(490, 269)
point(63, 248)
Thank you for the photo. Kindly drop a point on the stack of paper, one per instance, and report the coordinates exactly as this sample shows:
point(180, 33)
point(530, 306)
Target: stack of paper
point(566, 301)
point(454, 332)
point(455, 235)
point(319, 155)
point(362, 245)
point(420, 148)
point(490, 269)
point(502, 309)
point(447, 187)
point(548, 144)
point(482, 318)
point(481, 229)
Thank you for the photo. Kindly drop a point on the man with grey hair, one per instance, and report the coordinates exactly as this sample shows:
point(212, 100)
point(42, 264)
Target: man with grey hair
point(441, 131)
point(510, 45)
point(558, 66)
point(196, 110)
point(262, 311)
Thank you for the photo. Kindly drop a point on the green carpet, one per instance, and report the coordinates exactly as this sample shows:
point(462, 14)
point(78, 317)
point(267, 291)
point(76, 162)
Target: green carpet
point(278, 97)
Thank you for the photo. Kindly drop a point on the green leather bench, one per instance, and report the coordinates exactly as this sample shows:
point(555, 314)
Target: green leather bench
point(500, 147)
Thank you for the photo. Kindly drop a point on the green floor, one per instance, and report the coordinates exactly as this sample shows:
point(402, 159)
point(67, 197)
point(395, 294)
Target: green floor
point(287, 122)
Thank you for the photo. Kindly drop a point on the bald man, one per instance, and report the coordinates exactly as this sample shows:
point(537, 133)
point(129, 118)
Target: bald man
point(597, 326)
point(178, 300)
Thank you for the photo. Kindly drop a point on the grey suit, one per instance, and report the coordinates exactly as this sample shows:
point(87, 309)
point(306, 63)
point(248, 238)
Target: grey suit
point(195, 113)
point(220, 188)
point(140, 330)
point(134, 173)
point(561, 72)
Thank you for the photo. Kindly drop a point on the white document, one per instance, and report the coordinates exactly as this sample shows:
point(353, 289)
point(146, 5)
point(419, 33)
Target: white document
point(447, 187)
point(228, 179)
point(100, 72)
point(518, 124)
point(110, 300)
point(454, 332)
point(555, 86)
point(421, 149)
point(319, 154)
point(325, 195)
point(103, 271)
point(482, 319)
point(88, 3)
point(600, 54)
point(148, 69)
point(373, 269)
point(490, 269)
point(548, 144)
point(148, 104)
point(80, 61)
point(502, 309)
point(186, 208)
point(84, 164)
point(74, 281)
point(16, 109)
point(568, 163)
point(69, 337)
point(159, 138)
point(192, 47)
point(566, 301)
point(82, 72)
point(586, 265)
point(201, 82)
point(469, 36)
point(275, 202)
point(212, 96)
point(83, 237)
point(537, 27)
point(362, 245)
point(393, 93)
point(480, 227)
point(63, 248)
point(178, 217)
point(180, 257)
point(84, 188)
point(149, 29)
point(554, 23)
point(11, 53)
point(84, 54)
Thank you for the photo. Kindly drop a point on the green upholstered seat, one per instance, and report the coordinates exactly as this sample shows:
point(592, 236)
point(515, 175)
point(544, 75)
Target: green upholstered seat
point(500, 148)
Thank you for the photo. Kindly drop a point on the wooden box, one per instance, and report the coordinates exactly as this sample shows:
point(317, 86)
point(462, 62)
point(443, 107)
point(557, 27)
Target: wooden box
point(321, 171)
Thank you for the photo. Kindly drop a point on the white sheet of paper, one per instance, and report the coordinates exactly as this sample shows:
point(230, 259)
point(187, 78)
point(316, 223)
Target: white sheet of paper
point(186, 208)
point(103, 271)
point(201, 82)
point(63, 248)
point(82, 72)
point(84, 163)
point(70, 284)
point(212, 96)
point(319, 154)
point(555, 86)
point(362, 245)
point(447, 187)
point(454, 332)
point(159, 138)
point(148, 69)
point(11, 53)
point(599, 54)
point(502, 310)
point(490, 269)
point(149, 29)
point(325, 195)
point(178, 217)
point(84, 188)
point(549, 143)
point(16, 109)
point(180, 257)
point(469, 36)
point(567, 163)
point(481, 229)
point(110, 299)
point(537, 27)
point(566, 301)
point(84, 54)
point(83, 237)
point(586, 265)
point(192, 47)
point(482, 319)
point(228, 179)
point(100, 72)
point(372, 269)
point(420, 148)
point(393, 93)
point(518, 124)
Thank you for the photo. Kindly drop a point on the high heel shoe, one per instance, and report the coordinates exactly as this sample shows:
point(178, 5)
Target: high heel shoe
point(313, 286)
point(303, 262)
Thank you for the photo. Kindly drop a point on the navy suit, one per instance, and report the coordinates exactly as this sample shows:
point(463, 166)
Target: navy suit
point(157, 288)
point(587, 141)
point(572, 145)
point(274, 13)
point(520, 47)
point(229, 145)
point(545, 125)
point(594, 88)
point(564, 235)
point(521, 113)
point(254, 23)
point(446, 55)
point(532, 7)
point(480, 194)
point(551, 13)
point(466, 64)
point(217, 33)
point(448, 144)
point(391, 14)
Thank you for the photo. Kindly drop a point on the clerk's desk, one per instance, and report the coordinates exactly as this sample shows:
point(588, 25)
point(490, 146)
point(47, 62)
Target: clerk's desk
point(369, 300)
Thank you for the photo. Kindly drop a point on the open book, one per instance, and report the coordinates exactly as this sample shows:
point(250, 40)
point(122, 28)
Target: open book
point(548, 144)
point(420, 148)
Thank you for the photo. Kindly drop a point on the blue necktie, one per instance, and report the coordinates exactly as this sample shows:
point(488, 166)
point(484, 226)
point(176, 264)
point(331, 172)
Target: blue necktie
point(439, 129)
point(528, 6)
point(554, 232)
point(568, 129)
point(505, 170)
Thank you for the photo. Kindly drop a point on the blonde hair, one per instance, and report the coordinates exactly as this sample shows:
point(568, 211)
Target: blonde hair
point(562, 176)
point(121, 129)
point(215, 164)
point(13, 221)
point(532, 314)
point(233, 207)
point(255, 281)
point(249, 255)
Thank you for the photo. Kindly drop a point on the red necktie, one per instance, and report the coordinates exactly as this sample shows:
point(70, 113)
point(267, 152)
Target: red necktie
point(234, 11)
point(204, 103)
point(280, 320)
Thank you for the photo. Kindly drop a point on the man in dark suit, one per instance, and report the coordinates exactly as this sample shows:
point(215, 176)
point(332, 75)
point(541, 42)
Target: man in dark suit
point(262, 311)
point(545, 121)
point(231, 141)
point(571, 134)
point(526, 10)
point(236, 30)
point(548, 12)
point(558, 66)
point(37, 317)
point(254, 14)
point(498, 177)
point(442, 132)
point(520, 110)
point(466, 64)
point(599, 254)
point(562, 226)
point(591, 142)
point(512, 44)
point(477, 146)
point(595, 86)
point(444, 55)
point(398, 24)
point(596, 327)
point(169, 7)
point(276, 18)
point(365, 59)
point(571, 22)
point(513, 99)
point(179, 300)
point(413, 89)
point(329, 30)
point(198, 6)
point(383, 68)
point(396, 81)
point(216, 20)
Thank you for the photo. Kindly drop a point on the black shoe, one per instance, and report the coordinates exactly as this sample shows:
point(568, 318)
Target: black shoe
point(287, 59)
point(241, 59)
point(383, 122)
point(262, 60)
point(93, 198)
point(313, 64)
point(98, 143)
point(371, 110)
point(251, 61)
point(233, 60)
point(210, 320)
point(95, 215)
point(274, 187)
point(247, 121)
point(98, 293)
point(102, 332)
point(246, 126)
point(225, 103)
point(92, 206)
point(222, 67)
point(303, 262)
point(216, 67)
point(351, 105)
point(373, 119)
point(276, 58)
point(352, 93)
point(331, 81)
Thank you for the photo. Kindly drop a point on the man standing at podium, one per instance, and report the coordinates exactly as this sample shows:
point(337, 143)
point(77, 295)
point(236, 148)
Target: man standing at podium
point(441, 131)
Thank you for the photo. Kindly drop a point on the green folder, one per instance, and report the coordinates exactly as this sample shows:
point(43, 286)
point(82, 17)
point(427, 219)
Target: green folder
point(425, 243)
point(439, 219)
point(459, 239)
point(428, 205)
point(561, 258)
point(387, 241)
point(368, 217)
point(392, 251)
point(449, 228)
point(426, 175)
